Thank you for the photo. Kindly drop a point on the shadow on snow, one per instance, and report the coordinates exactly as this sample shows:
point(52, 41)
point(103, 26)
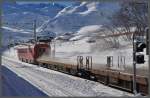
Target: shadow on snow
point(13, 85)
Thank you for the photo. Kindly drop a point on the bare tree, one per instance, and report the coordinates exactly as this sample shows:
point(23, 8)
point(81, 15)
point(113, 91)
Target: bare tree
point(114, 41)
point(132, 14)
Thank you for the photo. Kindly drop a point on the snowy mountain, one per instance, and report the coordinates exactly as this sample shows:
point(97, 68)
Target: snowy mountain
point(26, 13)
point(18, 19)
point(81, 19)
point(74, 17)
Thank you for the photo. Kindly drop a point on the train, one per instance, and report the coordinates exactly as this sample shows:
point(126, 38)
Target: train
point(30, 53)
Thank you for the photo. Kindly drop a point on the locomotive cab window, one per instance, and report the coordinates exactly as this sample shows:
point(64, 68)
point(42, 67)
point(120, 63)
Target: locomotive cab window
point(42, 50)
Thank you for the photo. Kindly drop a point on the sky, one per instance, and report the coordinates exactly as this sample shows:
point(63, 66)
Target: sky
point(66, 3)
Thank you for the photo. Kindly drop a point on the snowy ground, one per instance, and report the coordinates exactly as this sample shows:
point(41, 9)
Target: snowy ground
point(54, 83)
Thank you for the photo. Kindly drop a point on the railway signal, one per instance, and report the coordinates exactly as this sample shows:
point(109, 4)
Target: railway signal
point(140, 45)
point(138, 58)
point(139, 48)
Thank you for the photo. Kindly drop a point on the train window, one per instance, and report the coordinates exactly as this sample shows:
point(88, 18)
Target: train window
point(26, 60)
point(30, 61)
point(41, 50)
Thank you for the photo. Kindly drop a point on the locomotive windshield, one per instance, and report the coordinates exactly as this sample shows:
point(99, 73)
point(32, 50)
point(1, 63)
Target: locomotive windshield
point(41, 51)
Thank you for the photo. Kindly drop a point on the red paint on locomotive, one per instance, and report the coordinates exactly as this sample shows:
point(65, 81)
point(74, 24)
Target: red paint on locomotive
point(30, 52)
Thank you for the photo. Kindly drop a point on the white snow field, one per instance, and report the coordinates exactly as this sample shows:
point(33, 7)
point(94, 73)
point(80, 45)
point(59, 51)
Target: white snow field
point(52, 83)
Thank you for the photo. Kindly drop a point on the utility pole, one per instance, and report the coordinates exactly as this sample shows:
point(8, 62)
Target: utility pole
point(1, 56)
point(148, 49)
point(134, 65)
point(10, 42)
point(54, 49)
point(34, 25)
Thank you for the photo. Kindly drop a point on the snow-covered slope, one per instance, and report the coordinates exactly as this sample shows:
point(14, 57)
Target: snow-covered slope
point(82, 20)
point(54, 17)
point(74, 17)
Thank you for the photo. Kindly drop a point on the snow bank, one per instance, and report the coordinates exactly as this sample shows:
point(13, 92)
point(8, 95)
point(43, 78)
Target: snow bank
point(89, 30)
point(12, 53)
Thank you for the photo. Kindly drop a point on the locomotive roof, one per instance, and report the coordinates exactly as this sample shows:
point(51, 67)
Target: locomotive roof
point(27, 45)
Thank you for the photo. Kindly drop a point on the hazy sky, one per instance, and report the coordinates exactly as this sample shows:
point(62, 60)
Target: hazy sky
point(60, 2)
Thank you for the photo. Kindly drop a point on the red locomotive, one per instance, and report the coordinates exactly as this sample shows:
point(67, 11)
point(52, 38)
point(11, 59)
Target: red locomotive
point(30, 52)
